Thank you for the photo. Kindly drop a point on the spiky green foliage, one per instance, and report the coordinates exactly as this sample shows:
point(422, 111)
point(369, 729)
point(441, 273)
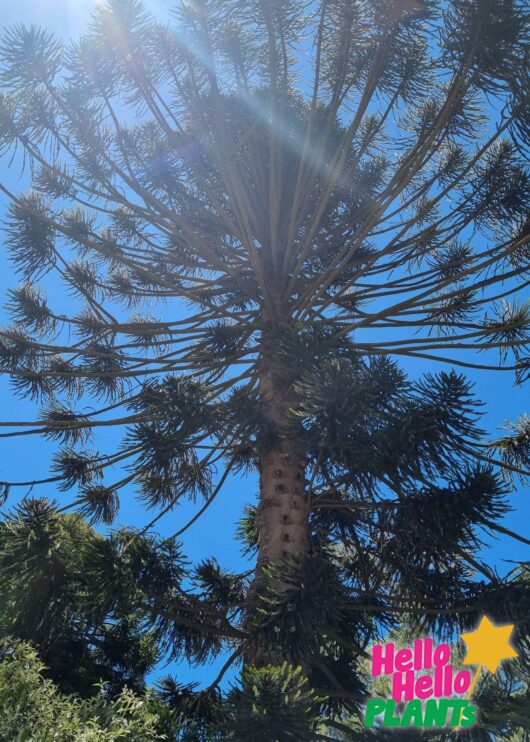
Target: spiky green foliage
point(253, 206)
point(275, 701)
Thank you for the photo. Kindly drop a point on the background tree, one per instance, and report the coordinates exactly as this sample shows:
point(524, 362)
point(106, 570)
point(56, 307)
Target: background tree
point(87, 630)
point(300, 191)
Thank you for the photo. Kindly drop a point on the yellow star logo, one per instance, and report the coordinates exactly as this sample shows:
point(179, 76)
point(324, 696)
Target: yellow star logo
point(488, 645)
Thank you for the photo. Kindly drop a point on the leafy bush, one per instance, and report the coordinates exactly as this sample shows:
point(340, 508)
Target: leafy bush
point(33, 710)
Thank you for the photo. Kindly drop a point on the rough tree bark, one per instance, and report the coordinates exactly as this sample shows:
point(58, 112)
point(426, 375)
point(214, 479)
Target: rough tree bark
point(283, 510)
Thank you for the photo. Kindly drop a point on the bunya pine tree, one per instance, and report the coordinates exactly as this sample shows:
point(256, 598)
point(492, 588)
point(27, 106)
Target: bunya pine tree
point(259, 208)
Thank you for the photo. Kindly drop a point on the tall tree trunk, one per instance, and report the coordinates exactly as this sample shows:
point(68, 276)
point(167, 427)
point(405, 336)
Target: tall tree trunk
point(283, 514)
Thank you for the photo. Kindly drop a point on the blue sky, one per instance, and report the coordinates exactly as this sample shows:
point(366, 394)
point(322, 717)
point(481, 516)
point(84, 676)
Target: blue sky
point(28, 457)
